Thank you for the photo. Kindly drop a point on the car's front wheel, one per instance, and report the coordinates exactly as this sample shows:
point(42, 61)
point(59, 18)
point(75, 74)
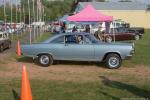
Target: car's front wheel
point(45, 60)
point(1, 48)
point(136, 37)
point(9, 45)
point(109, 39)
point(113, 61)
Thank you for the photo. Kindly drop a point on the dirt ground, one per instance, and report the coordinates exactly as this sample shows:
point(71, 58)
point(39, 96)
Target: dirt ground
point(10, 68)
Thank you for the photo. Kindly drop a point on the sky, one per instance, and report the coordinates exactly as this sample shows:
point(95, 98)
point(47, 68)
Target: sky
point(14, 1)
point(143, 1)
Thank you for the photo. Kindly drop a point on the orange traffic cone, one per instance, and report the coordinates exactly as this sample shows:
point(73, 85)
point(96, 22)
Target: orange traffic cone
point(18, 49)
point(26, 90)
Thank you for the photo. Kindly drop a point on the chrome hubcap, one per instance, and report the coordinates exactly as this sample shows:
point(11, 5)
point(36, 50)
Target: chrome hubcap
point(113, 62)
point(137, 37)
point(44, 59)
point(109, 39)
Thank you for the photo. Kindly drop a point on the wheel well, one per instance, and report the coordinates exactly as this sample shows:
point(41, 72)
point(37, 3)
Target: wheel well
point(2, 44)
point(104, 58)
point(45, 54)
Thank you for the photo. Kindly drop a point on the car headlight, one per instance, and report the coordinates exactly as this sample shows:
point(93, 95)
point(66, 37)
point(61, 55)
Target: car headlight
point(132, 52)
point(133, 49)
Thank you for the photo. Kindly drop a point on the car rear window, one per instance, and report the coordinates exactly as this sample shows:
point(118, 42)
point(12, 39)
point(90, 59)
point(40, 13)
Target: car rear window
point(58, 40)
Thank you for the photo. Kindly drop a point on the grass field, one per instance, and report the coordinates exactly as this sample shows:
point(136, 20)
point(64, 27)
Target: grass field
point(129, 83)
point(142, 50)
point(44, 37)
point(105, 89)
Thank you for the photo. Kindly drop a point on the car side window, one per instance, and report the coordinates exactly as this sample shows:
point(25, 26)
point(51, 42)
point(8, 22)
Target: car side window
point(58, 40)
point(70, 39)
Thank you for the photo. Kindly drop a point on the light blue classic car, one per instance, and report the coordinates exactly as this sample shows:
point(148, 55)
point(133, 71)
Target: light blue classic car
point(78, 47)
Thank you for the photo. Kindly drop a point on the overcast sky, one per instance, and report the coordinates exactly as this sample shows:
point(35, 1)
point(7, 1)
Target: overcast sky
point(143, 1)
point(14, 1)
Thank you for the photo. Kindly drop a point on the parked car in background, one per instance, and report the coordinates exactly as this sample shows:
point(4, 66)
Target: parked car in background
point(5, 42)
point(137, 29)
point(78, 47)
point(121, 34)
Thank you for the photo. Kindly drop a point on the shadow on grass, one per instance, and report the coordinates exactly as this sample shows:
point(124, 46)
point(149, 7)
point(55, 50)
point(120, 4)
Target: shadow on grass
point(122, 86)
point(25, 60)
point(84, 63)
point(15, 95)
point(110, 96)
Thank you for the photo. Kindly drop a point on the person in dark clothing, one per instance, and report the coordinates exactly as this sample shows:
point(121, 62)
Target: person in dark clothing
point(74, 29)
point(87, 28)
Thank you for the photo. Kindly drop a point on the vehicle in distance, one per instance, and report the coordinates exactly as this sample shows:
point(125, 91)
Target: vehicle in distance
point(121, 34)
point(5, 42)
point(138, 29)
point(78, 47)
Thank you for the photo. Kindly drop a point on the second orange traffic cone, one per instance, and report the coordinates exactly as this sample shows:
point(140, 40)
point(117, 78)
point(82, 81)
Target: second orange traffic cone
point(26, 90)
point(18, 48)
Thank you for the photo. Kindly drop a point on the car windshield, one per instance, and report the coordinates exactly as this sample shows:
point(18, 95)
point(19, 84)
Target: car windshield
point(92, 38)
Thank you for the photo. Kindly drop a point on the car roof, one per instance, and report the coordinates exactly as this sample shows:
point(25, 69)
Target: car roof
point(75, 33)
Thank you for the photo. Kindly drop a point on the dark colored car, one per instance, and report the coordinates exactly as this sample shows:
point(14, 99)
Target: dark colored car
point(121, 34)
point(137, 29)
point(5, 42)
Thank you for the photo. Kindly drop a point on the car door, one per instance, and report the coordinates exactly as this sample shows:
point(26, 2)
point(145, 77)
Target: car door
point(73, 51)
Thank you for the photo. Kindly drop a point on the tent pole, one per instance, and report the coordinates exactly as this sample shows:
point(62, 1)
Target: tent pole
point(113, 31)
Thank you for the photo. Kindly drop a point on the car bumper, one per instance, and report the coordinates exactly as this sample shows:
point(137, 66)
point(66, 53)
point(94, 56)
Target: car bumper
point(128, 57)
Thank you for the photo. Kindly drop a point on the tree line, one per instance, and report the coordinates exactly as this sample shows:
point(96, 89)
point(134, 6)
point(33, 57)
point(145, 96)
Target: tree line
point(52, 10)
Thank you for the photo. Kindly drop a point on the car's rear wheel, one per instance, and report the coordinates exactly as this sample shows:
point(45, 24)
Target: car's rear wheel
point(136, 37)
point(9, 45)
point(1, 48)
point(113, 61)
point(45, 60)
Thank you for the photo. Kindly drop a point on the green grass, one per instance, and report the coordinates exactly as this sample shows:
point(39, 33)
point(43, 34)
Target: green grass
point(16, 36)
point(59, 90)
point(44, 37)
point(142, 50)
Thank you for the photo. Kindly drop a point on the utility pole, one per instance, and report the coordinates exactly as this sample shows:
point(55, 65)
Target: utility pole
point(29, 21)
point(11, 18)
point(24, 15)
point(20, 15)
point(37, 18)
point(33, 20)
point(16, 17)
point(5, 14)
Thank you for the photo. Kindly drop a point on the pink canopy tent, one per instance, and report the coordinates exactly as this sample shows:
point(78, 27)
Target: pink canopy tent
point(90, 14)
